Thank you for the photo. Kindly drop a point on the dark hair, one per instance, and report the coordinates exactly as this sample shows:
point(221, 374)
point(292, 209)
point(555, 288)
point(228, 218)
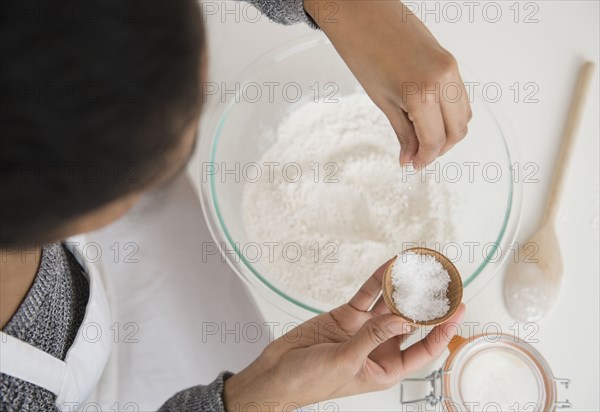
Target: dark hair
point(92, 96)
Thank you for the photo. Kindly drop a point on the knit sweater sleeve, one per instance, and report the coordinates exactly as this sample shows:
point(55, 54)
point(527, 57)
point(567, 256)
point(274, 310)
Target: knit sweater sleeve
point(284, 11)
point(199, 398)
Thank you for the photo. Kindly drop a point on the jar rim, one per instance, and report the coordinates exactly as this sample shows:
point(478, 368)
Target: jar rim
point(459, 358)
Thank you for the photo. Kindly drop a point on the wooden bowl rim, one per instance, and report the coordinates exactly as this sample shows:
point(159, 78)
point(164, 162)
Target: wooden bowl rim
point(455, 279)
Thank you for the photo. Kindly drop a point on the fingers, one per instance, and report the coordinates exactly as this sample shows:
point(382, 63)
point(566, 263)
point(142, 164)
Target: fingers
point(372, 334)
point(405, 132)
point(456, 112)
point(429, 127)
point(380, 307)
point(432, 346)
point(369, 291)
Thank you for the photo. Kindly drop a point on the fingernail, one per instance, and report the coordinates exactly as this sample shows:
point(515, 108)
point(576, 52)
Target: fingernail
point(396, 328)
point(409, 328)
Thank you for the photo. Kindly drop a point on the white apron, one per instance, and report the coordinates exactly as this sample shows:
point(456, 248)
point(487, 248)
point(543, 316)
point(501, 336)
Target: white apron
point(73, 380)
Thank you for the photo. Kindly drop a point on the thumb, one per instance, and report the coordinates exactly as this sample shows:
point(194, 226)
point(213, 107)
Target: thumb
point(373, 333)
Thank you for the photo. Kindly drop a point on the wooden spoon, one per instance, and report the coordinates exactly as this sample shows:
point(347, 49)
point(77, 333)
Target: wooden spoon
point(531, 285)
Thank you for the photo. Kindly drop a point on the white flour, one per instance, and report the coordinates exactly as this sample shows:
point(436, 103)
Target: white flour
point(350, 217)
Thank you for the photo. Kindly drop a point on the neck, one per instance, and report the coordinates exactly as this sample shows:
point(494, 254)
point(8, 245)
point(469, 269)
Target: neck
point(18, 268)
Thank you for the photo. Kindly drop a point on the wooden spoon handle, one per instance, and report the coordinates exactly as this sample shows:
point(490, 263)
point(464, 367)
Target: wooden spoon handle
point(568, 138)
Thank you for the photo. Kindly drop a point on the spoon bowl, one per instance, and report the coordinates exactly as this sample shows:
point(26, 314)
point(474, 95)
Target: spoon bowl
point(532, 283)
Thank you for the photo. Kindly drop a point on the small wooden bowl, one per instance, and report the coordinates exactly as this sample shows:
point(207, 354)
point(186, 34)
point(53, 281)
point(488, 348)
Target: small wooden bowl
point(455, 287)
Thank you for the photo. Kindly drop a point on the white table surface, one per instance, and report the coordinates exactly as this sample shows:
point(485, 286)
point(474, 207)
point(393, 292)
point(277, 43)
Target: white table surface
point(547, 52)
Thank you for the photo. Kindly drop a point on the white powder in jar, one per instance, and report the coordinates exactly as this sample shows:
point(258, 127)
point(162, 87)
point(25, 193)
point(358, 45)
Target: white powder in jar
point(420, 287)
point(322, 234)
point(497, 380)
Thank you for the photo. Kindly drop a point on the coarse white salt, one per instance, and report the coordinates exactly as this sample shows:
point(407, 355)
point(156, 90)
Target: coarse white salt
point(420, 287)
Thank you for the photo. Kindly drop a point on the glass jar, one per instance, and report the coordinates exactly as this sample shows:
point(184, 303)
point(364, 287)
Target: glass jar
point(484, 372)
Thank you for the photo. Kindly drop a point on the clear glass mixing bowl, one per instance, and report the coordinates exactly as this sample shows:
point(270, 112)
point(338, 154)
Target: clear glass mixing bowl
point(309, 68)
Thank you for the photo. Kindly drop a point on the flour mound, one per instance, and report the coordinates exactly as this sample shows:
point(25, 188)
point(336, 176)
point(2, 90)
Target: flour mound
point(351, 209)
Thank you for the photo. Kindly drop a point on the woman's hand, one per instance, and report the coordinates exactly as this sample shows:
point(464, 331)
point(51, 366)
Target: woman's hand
point(403, 68)
point(347, 351)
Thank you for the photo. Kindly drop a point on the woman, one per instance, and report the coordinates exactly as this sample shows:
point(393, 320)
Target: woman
point(100, 103)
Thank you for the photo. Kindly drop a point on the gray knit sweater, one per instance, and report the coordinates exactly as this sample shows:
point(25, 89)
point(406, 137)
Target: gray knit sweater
point(48, 318)
point(51, 313)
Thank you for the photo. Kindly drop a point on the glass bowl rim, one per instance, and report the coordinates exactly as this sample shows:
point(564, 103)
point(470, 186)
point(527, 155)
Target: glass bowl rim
point(209, 188)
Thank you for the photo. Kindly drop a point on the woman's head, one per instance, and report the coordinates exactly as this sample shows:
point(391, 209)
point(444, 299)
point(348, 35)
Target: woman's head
point(99, 102)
